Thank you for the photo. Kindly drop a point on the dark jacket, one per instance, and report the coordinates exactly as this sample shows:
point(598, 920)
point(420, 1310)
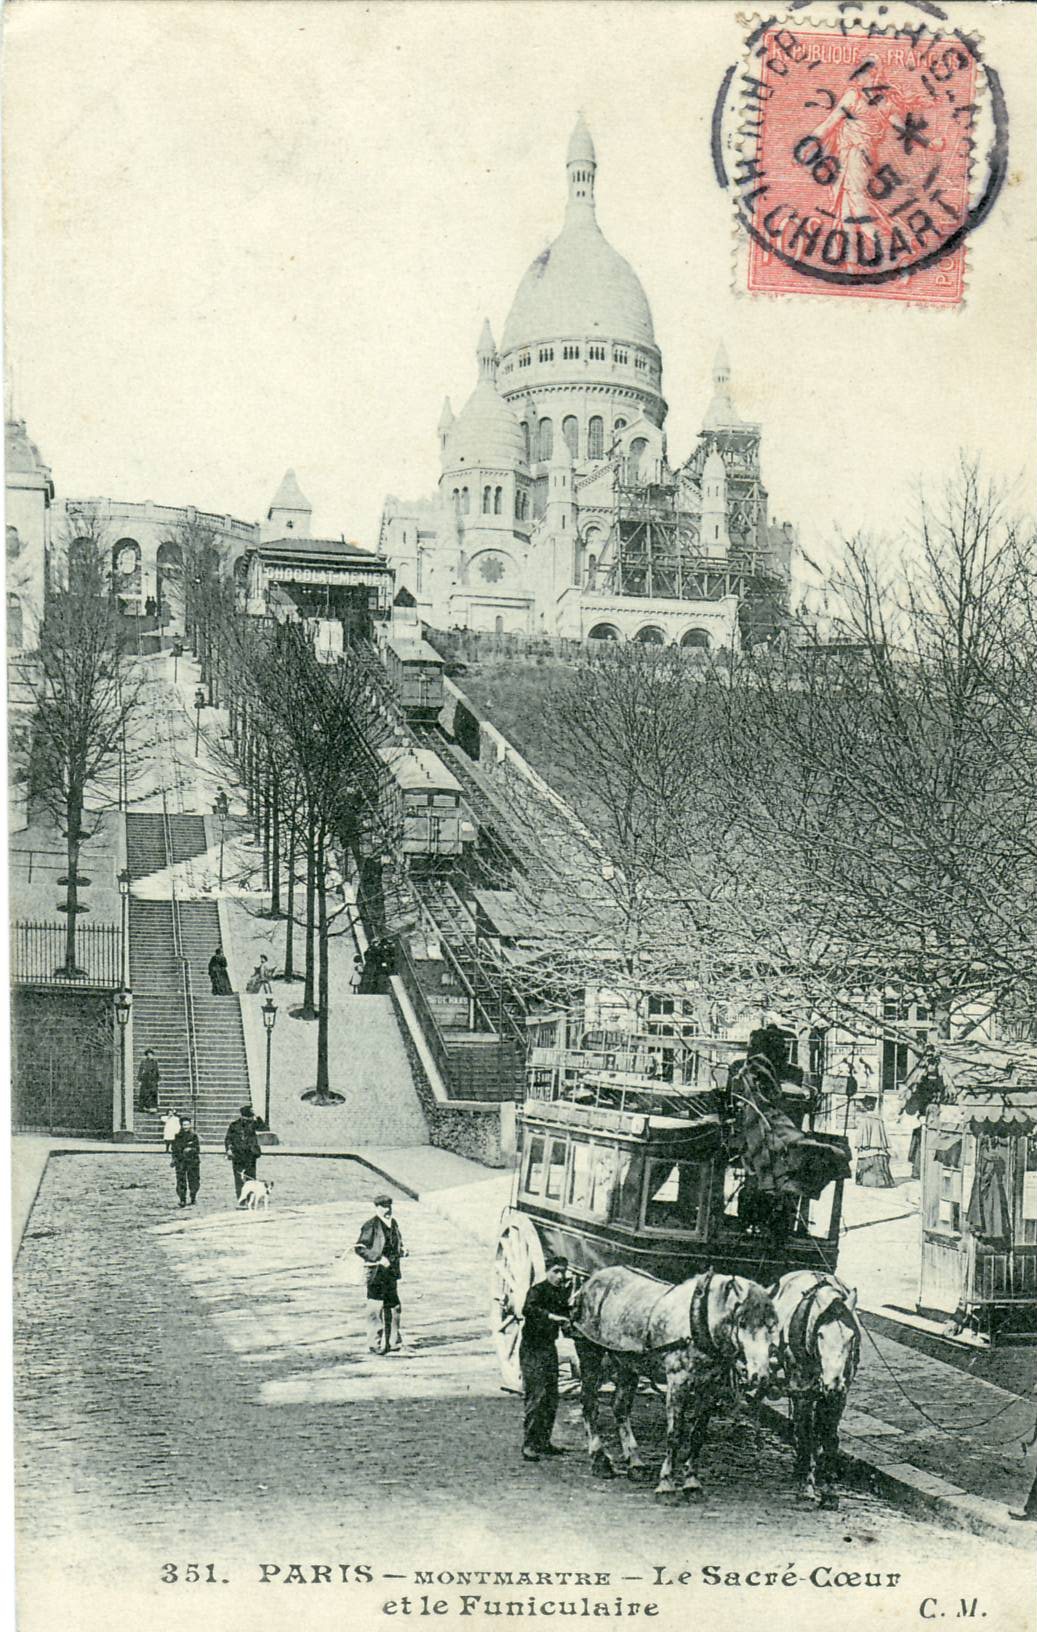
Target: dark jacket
point(148, 1076)
point(542, 1300)
point(241, 1139)
point(187, 1152)
point(218, 976)
point(376, 1241)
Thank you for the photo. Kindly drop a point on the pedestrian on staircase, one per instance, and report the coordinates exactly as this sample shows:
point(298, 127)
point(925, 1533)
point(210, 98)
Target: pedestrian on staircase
point(380, 1245)
point(170, 1128)
point(187, 1161)
point(241, 1143)
point(218, 975)
point(148, 1079)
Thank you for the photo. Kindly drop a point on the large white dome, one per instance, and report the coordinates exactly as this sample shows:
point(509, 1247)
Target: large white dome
point(579, 286)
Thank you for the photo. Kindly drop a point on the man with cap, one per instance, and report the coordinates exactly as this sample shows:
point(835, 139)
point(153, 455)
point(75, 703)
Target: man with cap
point(380, 1246)
point(187, 1157)
point(241, 1144)
point(544, 1314)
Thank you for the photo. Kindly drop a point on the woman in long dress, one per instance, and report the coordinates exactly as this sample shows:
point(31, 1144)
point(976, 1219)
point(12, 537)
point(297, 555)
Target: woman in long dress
point(873, 1170)
point(218, 974)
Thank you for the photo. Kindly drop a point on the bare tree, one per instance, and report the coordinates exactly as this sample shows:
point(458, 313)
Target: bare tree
point(83, 700)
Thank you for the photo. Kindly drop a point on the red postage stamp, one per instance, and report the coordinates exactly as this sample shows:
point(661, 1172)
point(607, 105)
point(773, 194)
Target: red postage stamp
point(855, 167)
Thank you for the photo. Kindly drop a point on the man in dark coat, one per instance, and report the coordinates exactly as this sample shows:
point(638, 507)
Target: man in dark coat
point(187, 1160)
point(148, 1078)
point(241, 1143)
point(380, 1245)
point(544, 1314)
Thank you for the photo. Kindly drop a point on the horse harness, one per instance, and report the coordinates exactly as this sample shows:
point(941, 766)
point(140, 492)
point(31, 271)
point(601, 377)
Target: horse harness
point(804, 1325)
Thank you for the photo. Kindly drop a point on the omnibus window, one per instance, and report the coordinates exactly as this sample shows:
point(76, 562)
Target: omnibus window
point(594, 1167)
point(556, 1170)
point(535, 1165)
point(674, 1195)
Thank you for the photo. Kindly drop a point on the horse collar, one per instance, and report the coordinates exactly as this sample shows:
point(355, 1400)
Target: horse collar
point(700, 1333)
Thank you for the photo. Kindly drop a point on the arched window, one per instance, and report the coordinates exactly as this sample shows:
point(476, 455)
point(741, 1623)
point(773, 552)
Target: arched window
point(650, 636)
point(486, 494)
point(596, 438)
point(464, 501)
point(695, 640)
point(14, 544)
point(603, 631)
point(638, 449)
point(498, 499)
point(546, 440)
point(15, 631)
point(577, 553)
point(571, 433)
point(456, 495)
point(620, 425)
point(525, 438)
point(592, 572)
point(498, 625)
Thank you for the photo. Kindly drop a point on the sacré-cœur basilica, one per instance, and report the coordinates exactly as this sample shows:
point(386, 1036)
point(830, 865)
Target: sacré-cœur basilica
point(558, 511)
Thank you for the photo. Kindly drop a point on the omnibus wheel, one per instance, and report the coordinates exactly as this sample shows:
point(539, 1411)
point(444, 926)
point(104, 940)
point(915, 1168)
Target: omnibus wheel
point(518, 1262)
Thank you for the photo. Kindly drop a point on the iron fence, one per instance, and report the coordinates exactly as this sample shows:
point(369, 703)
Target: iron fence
point(38, 955)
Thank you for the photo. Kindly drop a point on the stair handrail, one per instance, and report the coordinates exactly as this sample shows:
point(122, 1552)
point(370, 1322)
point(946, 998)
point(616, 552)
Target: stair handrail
point(186, 988)
point(192, 1040)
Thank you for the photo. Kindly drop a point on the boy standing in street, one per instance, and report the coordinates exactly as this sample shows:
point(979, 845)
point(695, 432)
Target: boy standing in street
point(187, 1160)
point(241, 1144)
point(380, 1245)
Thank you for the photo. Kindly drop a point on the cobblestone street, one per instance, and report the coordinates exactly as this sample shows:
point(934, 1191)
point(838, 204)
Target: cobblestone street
point(195, 1386)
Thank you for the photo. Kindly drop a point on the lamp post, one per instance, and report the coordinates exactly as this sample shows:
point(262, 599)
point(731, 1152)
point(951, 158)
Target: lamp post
point(199, 704)
point(123, 1001)
point(124, 892)
point(178, 652)
point(269, 1012)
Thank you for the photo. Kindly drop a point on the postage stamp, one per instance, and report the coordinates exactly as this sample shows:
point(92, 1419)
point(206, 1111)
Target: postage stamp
point(855, 160)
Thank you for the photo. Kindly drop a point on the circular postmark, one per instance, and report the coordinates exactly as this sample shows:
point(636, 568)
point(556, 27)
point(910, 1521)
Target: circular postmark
point(859, 156)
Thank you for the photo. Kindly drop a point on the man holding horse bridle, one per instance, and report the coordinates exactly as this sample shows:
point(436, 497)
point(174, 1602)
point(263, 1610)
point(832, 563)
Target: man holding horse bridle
point(545, 1314)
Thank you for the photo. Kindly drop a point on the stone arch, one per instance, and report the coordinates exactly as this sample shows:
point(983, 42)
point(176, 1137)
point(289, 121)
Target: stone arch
point(498, 500)
point(604, 631)
point(571, 434)
point(596, 437)
point(126, 557)
point(696, 640)
point(650, 635)
point(15, 624)
point(545, 439)
point(169, 566)
point(487, 499)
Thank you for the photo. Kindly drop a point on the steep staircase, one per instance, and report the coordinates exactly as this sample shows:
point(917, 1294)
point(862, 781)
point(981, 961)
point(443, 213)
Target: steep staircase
point(162, 1020)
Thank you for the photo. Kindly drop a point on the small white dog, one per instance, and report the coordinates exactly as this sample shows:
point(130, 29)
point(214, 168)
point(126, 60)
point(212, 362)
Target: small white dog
point(256, 1193)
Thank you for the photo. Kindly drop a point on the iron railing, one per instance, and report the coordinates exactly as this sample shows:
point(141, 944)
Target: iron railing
point(38, 955)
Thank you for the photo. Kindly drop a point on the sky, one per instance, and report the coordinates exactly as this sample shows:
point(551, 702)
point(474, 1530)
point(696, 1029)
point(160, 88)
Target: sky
point(242, 237)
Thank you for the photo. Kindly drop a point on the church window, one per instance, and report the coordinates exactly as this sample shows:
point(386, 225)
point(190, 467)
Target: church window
point(456, 496)
point(592, 571)
point(498, 625)
point(620, 425)
point(14, 544)
point(486, 495)
point(596, 437)
point(638, 448)
point(498, 496)
point(547, 354)
point(546, 439)
point(15, 631)
point(464, 501)
point(570, 353)
point(524, 359)
point(596, 354)
point(571, 433)
point(619, 355)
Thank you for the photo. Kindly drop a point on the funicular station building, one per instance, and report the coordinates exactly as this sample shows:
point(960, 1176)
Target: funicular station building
point(559, 511)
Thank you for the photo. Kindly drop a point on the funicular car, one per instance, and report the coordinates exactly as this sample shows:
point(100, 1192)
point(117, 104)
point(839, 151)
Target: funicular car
point(628, 1154)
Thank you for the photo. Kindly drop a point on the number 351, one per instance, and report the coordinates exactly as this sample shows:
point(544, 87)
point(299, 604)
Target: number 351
point(191, 1572)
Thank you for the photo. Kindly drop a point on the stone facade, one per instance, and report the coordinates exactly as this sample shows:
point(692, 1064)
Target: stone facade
point(558, 512)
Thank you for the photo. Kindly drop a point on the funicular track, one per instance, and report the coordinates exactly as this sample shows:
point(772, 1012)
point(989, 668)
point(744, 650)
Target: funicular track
point(488, 982)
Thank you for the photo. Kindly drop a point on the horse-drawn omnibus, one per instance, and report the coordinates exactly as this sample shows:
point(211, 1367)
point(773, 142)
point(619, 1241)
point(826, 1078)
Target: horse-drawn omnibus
point(636, 1151)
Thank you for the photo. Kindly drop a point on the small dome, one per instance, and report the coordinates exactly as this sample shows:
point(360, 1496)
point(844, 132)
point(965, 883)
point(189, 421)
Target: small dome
point(21, 452)
point(485, 432)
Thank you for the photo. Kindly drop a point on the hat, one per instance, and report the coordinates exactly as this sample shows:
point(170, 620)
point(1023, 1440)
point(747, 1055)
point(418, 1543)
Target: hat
point(246, 1110)
point(557, 1262)
point(383, 1201)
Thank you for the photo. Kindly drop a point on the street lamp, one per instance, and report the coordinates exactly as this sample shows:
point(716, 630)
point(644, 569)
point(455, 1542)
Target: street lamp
point(178, 652)
point(269, 1012)
point(199, 704)
point(124, 891)
point(220, 812)
point(123, 1001)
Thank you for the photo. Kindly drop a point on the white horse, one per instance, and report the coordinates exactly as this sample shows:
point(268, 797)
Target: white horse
point(699, 1338)
point(820, 1346)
